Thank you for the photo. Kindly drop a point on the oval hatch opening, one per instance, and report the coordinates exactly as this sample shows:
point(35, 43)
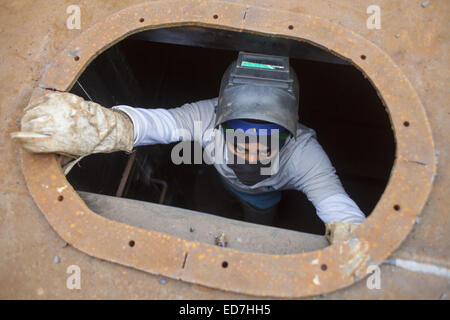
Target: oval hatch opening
point(165, 68)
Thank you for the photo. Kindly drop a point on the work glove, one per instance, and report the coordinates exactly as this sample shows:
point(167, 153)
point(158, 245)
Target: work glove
point(337, 231)
point(66, 124)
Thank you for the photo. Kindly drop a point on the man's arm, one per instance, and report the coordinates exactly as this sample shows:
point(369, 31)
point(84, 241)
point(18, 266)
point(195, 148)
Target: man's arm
point(314, 175)
point(64, 123)
point(152, 126)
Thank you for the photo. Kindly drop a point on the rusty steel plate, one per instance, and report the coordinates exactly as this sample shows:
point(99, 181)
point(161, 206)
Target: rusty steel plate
point(293, 275)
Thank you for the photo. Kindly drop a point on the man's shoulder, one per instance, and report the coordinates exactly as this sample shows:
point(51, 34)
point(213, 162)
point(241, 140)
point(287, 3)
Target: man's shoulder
point(205, 109)
point(302, 149)
point(306, 160)
point(207, 103)
point(303, 137)
point(304, 132)
point(200, 110)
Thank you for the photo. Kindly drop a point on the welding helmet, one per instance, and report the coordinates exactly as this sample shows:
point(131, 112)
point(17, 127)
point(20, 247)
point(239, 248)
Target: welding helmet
point(259, 87)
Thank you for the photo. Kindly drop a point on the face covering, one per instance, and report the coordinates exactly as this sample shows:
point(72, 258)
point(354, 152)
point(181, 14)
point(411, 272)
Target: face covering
point(249, 174)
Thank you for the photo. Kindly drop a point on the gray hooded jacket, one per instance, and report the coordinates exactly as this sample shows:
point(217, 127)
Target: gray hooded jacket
point(303, 164)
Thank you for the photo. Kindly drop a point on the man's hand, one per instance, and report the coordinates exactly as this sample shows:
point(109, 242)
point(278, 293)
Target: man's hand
point(66, 124)
point(337, 231)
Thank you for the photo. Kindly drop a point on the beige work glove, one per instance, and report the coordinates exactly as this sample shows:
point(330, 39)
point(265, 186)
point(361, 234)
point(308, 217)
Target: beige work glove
point(66, 124)
point(337, 231)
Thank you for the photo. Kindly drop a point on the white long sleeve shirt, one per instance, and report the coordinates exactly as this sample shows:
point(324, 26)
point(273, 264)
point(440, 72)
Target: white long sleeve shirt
point(303, 164)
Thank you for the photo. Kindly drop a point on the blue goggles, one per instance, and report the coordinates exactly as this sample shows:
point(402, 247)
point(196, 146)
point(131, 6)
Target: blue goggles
point(257, 129)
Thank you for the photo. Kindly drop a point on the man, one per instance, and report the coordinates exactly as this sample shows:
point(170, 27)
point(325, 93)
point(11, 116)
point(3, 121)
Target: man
point(251, 134)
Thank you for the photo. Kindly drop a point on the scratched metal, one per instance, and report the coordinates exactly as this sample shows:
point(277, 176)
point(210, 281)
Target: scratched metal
point(296, 275)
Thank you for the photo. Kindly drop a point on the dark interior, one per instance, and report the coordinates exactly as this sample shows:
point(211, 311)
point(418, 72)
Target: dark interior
point(166, 68)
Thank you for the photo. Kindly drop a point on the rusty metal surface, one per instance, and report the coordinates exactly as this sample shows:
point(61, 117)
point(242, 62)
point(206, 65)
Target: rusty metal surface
point(289, 275)
point(398, 67)
point(202, 227)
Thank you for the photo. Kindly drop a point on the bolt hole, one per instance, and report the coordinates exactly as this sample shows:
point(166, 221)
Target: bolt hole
point(406, 123)
point(397, 207)
point(141, 20)
point(323, 267)
point(60, 198)
point(215, 16)
point(291, 27)
point(131, 243)
point(363, 57)
point(76, 58)
point(224, 264)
